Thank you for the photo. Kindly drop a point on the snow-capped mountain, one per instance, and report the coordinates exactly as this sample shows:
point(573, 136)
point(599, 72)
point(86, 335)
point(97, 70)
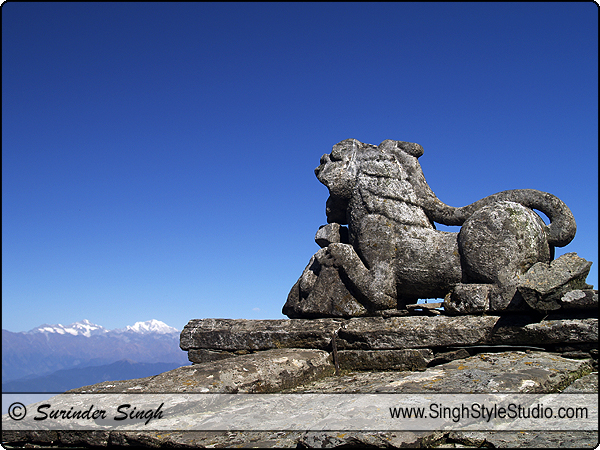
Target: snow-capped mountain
point(151, 326)
point(88, 329)
point(83, 328)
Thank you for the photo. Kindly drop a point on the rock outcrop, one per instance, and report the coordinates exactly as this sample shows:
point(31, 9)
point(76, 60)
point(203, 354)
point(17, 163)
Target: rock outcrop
point(548, 287)
point(499, 372)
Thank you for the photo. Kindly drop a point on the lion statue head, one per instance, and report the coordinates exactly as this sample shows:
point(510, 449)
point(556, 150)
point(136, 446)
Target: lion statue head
point(386, 179)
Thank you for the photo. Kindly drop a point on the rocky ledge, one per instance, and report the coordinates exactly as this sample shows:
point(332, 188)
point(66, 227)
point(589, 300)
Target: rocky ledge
point(412, 354)
point(305, 371)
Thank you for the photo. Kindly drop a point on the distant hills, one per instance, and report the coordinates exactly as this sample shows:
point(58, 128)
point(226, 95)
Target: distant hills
point(52, 358)
point(63, 380)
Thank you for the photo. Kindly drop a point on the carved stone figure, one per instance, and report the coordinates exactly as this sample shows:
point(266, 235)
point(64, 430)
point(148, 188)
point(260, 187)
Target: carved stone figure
point(390, 255)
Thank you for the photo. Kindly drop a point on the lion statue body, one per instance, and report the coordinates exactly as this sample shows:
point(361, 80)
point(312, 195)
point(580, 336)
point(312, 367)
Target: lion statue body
point(393, 254)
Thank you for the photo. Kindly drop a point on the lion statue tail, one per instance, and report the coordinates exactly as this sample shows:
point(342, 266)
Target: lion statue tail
point(561, 229)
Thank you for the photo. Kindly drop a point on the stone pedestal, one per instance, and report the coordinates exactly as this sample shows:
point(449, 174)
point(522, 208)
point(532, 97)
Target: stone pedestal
point(410, 342)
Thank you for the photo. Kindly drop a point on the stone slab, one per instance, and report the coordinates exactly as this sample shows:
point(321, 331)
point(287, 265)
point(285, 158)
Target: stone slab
point(417, 332)
point(407, 359)
point(559, 331)
point(379, 333)
point(254, 335)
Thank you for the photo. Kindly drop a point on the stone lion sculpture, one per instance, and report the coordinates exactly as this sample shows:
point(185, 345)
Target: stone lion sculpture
point(391, 254)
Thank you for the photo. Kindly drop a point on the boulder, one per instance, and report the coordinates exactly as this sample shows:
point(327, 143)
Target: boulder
point(544, 285)
point(468, 299)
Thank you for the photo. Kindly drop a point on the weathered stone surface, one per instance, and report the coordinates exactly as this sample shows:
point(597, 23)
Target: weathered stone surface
point(370, 440)
point(521, 439)
point(580, 299)
point(578, 351)
point(501, 300)
point(588, 383)
point(409, 359)
point(485, 298)
point(545, 332)
point(46, 439)
point(376, 333)
point(394, 255)
point(468, 299)
point(253, 335)
point(492, 372)
point(544, 285)
point(232, 439)
point(418, 332)
point(445, 357)
point(330, 233)
point(504, 228)
point(262, 372)
point(295, 439)
point(391, 333)
point(321, 292)
point(517, 372)
point(201, 355)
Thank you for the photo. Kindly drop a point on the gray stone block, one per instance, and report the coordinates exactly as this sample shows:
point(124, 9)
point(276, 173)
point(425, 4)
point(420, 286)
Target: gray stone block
point(544, 285)
point(468, 299)
point(240, 334)
point(580, 299)
point(409, 359)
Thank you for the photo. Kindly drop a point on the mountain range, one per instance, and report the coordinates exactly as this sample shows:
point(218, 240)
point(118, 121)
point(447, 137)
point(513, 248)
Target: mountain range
point(57, 357)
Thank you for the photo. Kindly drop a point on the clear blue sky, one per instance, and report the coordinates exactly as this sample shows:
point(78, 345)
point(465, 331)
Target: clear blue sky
point(157, 159)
